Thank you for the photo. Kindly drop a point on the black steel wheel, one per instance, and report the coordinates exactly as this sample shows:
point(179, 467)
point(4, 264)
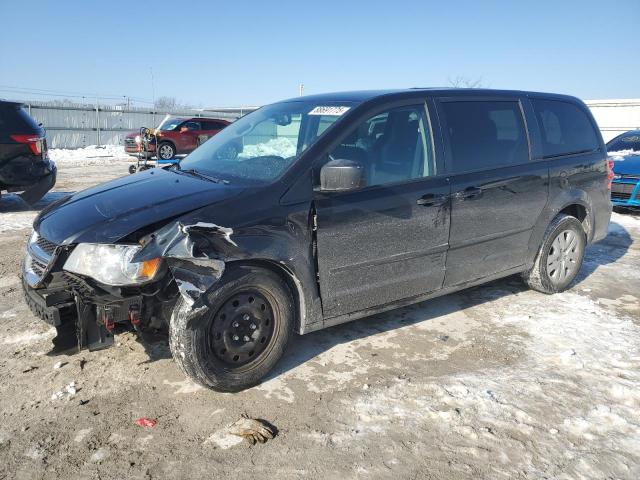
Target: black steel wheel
point(242, 328)
point(241, 336)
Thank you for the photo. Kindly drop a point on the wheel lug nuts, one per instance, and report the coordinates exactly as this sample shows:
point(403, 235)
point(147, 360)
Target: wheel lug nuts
point(236, 337)
point(253, 326)
point(246, 338)
point(246, 317)
point(236, 324)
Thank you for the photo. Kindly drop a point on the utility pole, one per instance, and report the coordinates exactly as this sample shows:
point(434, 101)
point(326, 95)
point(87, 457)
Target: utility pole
point(153, 97)
point(98, 119)
point(301, 89)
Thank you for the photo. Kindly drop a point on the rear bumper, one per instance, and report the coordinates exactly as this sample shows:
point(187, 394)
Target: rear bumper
point(39, 189)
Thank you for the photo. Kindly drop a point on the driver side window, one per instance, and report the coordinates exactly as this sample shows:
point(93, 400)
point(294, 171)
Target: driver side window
point(392, 146)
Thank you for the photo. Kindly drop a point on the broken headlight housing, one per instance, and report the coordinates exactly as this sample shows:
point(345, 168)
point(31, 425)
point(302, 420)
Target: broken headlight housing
point(111, 264)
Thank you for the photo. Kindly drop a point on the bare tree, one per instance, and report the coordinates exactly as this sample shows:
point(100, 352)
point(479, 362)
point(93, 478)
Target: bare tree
point(166, 103)
point(465, 82)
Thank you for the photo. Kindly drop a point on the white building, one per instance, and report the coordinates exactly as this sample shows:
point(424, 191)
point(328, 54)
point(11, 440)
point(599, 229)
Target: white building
point(615, 116)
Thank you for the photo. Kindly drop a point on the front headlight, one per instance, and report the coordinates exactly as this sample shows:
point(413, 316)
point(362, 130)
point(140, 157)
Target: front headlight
point(138, 139)
point(111, 264)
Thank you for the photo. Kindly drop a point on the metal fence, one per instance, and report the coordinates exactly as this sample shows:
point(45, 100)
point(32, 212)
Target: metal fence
point(615, 116)
point(78, 125)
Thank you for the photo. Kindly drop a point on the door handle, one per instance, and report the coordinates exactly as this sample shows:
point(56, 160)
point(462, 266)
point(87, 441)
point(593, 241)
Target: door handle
point(432, 200)
point(469, 193)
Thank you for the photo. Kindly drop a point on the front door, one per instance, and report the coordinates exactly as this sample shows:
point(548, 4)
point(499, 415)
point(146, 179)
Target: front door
point(189, 136)
point(388, 240)
point(497, 193)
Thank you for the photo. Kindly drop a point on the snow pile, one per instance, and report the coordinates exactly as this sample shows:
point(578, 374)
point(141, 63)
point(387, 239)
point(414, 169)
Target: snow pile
point(281, 147)
point(91, 155)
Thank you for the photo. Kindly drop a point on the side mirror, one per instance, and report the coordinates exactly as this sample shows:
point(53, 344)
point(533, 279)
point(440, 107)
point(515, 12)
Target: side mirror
point(340, 175)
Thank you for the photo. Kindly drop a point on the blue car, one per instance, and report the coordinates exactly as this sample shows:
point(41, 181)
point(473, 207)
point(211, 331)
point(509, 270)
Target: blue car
point(624, 150)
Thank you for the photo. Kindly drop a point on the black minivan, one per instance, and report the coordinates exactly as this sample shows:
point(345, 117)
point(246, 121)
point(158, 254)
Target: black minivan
point(319, 210)
point(24, 160)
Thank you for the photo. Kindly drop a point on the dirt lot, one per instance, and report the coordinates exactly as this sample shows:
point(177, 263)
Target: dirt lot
point(494, 382)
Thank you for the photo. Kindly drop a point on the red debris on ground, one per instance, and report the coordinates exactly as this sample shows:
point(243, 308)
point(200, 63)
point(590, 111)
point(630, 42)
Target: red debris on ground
point(146, 422)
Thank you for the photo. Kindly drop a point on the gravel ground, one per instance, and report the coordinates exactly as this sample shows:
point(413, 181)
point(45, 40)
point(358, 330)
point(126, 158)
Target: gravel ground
point(494, 382)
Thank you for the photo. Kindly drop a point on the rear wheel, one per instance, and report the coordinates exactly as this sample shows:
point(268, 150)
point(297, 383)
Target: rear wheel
point(242, 335)
point(166, 151)
point(560, 256)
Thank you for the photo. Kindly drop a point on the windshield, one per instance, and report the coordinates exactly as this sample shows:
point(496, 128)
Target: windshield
point(169, 124)
point(260, 146)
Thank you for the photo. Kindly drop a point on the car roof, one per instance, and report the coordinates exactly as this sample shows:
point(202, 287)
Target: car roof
point(359, 96)
point(9, 103)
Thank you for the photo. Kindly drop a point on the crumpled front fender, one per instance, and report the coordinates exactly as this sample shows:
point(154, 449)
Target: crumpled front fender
point(194, 254)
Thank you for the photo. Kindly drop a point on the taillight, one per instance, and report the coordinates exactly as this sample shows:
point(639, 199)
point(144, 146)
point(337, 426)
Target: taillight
point(609, 172)
point(35, 142)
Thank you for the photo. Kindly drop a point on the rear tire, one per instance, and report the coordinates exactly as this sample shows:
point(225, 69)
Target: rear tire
point(560, 256)
point(241, 336)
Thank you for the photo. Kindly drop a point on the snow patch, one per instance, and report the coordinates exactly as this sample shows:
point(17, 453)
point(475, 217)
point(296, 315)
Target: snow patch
point(573, 345)
point(101, 454)
point(29, 337)
point(184, 386)
point(17, 221)
point(223, 439)
point(81, 435)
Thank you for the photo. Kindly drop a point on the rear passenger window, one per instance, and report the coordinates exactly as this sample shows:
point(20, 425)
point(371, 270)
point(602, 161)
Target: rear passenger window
point(565, 128)
point(485, 134)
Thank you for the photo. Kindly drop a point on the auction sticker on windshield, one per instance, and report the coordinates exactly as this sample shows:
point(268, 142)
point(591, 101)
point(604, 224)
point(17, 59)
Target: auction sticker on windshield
point(328, 110)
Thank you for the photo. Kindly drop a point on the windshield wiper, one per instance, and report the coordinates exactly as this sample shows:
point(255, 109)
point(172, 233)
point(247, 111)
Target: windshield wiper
point(195, 173)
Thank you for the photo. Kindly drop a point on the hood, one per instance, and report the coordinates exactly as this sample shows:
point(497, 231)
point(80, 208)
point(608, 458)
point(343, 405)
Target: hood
point(106, 213)
point(626, 164)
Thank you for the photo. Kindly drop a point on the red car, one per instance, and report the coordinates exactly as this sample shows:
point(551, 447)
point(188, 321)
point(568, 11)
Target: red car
point(175, 136)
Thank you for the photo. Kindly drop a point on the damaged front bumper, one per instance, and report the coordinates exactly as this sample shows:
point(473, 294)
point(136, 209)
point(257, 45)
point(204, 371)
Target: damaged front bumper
point(87, 314)
point(82, 322)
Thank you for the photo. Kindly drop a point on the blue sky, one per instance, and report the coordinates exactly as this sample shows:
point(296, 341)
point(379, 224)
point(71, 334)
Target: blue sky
point(252, 52)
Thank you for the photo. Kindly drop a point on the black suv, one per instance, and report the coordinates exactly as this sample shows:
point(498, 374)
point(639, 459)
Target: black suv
point(319, 210)
point(24, 162)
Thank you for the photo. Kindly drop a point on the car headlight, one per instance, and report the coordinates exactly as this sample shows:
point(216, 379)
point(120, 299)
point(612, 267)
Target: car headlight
point(138, 139)
point(111, 264)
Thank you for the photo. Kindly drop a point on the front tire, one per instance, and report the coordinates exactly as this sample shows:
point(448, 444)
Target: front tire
point(166, 151)
point(241, 336)
point(560, 256)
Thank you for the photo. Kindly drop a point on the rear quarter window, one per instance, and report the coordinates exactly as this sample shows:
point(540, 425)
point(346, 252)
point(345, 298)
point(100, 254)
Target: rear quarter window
point(565, 128)
point(16, 119)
